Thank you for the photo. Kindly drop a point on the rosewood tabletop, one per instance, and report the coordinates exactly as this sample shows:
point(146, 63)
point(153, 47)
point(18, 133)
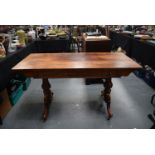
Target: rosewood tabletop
point(76, 65)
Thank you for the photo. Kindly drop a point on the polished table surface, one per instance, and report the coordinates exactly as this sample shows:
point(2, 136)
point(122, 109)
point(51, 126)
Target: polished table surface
point(76, 65)
point(67, 65)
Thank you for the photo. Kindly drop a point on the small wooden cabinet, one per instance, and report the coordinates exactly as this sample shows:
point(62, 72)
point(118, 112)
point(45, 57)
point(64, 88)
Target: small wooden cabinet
point(96, 44)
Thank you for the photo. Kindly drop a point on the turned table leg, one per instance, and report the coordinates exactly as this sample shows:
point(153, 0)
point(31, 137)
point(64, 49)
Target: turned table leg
point(47, 97)
point(106, 94)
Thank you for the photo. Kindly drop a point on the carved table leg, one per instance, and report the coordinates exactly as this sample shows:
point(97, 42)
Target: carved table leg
point(47, 97)
point(106, 94)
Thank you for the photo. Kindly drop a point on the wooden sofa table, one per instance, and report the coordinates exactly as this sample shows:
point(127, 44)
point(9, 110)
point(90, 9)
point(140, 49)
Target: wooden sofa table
point(76, 65)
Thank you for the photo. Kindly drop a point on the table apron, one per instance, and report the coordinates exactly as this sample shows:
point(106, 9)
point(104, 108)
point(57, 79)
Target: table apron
point(75, 73)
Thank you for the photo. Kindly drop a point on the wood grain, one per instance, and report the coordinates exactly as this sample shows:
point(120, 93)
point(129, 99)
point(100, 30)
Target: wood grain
point(68, 65)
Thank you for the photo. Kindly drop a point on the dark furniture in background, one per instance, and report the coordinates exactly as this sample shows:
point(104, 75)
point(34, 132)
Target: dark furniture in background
point(52, 45)
point(120, 40)
point(8, 62)
point(141, 51)
point(97, 45)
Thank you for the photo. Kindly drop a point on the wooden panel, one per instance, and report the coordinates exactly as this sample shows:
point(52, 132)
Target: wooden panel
point(76, 65)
